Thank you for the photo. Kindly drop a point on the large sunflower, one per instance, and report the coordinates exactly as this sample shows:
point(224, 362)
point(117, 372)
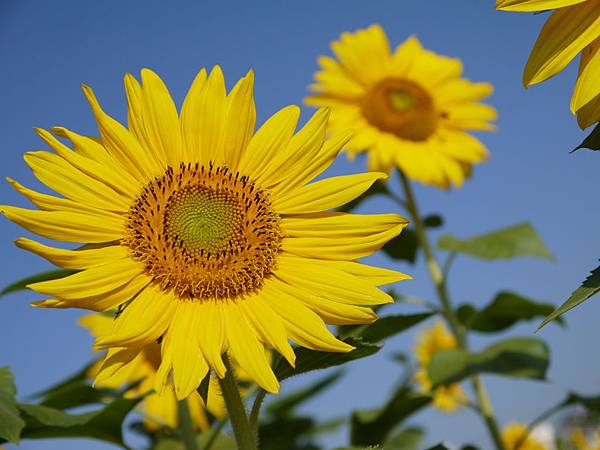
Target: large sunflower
point(572, 29)
point(448, 398)
point(157, 409)
point(204, 234)
point(409, 108)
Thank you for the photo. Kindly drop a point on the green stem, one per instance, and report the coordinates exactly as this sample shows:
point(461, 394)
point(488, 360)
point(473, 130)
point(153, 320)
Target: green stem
point(214, 434)
point(244, 436)
point(186, 426)
point(438, 277)
point(254, 414)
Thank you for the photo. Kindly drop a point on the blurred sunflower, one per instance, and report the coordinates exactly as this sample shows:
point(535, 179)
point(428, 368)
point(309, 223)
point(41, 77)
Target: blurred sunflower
point(204, 234)
point(583, 442)
point(430, 341)
point(409, 108)
point(157, 409)
point(573, 28)
point(512, 435)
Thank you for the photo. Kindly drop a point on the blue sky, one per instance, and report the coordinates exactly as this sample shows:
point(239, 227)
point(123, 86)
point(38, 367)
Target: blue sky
point(48, 48)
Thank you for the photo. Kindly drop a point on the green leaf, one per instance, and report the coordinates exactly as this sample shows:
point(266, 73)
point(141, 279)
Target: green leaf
point(11, 423)
point(589, 287)
point(404, 246)
point(519, 240)
point(372, 427)
point(21, 284)
point(517, 357)
point(385, 327)
point(407, 439)
point(309, 360)
point(283, 406)
point(592, 141)
point(504, 311)
point(222, 442)
point(104, 424)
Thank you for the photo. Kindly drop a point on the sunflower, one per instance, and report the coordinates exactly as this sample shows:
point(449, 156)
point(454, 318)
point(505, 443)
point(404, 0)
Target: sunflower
point(205, 235)
point(430, 341)
point(409, 108)
point(157, 410)
point(573, 28)
point(583, 442)
point(512, 435)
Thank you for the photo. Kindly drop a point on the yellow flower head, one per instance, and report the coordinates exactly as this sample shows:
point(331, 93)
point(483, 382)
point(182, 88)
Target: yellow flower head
point(408, 108)
point(436, 338)
point(512, 435)
point(573, 28)
point(582, 442)
point(206, 235)
point(157, 409)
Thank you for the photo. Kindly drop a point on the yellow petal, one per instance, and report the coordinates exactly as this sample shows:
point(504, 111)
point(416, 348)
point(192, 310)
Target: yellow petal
point(188, 119)
point(304, 146)
point(211, 336)
point(74, 259)
point(50, 203)
point(303, 325)
point(588, 84)
point(245, 348)
point(334, 313)
point(241, 119)
point(204, 119)
point(121, 144)
point(110, 174)
point(329, 282)
point(566, 32)
point(340, 236)
point(268, 326)
point(534, 5)
point(310, 169)
point(62, 177)
point(68, 226)
point(90, 282)
point(376, 276)
point(325, 194)
point(189, 365)
point(589, 114)
point(161, 122)
point(143, 320)
point(115, 360)
point(270, 139)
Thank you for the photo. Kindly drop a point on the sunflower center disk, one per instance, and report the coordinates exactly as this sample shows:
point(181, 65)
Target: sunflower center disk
point(401, 107)
point(205, 232)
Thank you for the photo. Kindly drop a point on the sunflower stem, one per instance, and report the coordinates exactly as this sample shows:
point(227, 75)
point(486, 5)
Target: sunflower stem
point(244, 435)
point(186, 426)
point(438, 277)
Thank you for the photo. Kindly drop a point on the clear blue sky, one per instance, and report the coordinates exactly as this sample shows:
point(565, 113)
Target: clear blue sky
point(47, 48)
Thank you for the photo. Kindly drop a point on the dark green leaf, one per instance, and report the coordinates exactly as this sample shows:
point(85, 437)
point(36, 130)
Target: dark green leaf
point(504, 311)
point(309, 360)
point(104, 424)
point(286, 433)
point(373, 427)
point(512, 242)
point(407, 439)
point(589, 287)
point(377, 188)
point(283, 406)
point(517, 357)
point(44, 276)
point(222, 442)
point(439, 447)
point(433, 221)
point(592, 141)
point(11, 423)
point(386, 326)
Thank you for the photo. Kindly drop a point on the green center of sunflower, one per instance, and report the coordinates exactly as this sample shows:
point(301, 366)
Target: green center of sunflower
point(203, 219)
point(205, 233)
point(401, 107)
